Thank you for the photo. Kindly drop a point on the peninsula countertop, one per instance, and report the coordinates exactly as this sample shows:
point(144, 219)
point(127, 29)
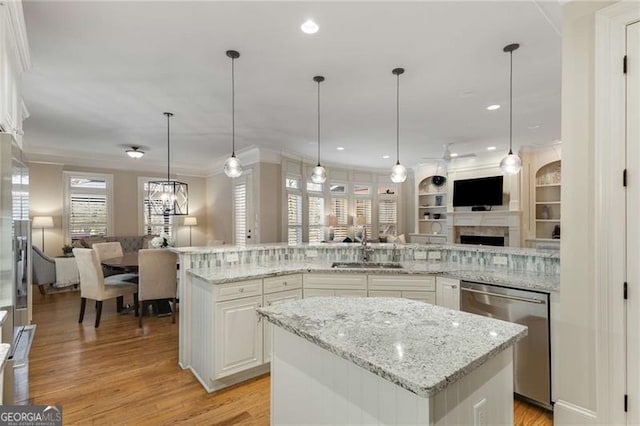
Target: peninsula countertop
point(417, 346)
point(485, 274)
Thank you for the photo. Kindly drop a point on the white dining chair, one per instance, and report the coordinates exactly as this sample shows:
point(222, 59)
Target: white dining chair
point(157, 278)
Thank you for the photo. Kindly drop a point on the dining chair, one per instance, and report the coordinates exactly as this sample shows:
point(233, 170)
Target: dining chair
point(108, 250)
point(93, 284)
point(157, 278)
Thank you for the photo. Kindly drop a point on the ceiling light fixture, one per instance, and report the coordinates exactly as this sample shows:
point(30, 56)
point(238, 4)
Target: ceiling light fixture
point(385, 156)
point(309, 27)
point(232, 166)
point(493, 107)
point(511, 163)
point(491, 148)
point(454, 154)
point(319, 174)
point(340, 148)
point(398, 171)
point(170, 197)
point(135, 152)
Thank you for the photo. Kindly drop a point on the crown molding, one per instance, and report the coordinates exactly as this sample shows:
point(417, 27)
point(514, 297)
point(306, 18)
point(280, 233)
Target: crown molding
point(19, 31)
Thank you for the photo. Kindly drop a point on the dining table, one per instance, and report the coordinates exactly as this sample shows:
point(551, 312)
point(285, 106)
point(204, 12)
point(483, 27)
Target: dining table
point(128, 263)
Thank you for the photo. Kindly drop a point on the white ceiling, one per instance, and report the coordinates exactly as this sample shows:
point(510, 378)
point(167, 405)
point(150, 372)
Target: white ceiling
point(103, 73)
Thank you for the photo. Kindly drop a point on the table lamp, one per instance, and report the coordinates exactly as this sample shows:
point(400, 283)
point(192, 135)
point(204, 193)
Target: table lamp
point(42, 222)
point(330, 221)
point(190, 221)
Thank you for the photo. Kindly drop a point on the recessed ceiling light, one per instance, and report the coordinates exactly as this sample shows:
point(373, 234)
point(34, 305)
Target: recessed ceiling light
point(493, 107)
point(385, 156)
point(491, 148)
point(309, 27)
point(135, 152)
point(340, 148)
point(535, 126)
point(454, 154)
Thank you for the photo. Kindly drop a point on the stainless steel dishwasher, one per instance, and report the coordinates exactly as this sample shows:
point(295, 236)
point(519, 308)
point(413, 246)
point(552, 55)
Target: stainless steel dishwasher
point(532, 356)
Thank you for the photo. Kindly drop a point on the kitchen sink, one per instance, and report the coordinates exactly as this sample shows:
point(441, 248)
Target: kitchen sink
point(367, 265)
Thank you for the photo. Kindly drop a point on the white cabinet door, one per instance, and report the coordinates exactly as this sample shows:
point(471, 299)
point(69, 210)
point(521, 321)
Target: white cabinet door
point(420, 296)
point(448, 293)
point(336, 281)
point(238, 336)
point(270, 300)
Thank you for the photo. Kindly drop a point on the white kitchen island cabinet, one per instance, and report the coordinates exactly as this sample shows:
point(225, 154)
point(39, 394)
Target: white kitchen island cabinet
point(389, 361)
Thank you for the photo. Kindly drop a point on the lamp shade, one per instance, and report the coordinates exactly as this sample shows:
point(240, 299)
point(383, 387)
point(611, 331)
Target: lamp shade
point(42, 222)
point(190, 221)
point(331, 220)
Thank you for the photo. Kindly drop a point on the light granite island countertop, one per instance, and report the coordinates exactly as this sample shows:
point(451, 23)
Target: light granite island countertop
point(421, 353)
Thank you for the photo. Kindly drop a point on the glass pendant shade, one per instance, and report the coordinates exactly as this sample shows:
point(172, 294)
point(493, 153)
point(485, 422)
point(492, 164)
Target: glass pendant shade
point(511, 164)
point(168, 197)
point(319, 174)
point(398, 173)
point(232, 167)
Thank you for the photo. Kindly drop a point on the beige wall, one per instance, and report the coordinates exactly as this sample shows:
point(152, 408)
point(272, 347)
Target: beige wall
point(47, 199)
point(270, 206)
point(577, 348)
point(219, 209)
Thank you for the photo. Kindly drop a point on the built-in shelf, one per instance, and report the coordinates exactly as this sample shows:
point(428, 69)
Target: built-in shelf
point(548, 185)
point(547, 202)
point(548, 220)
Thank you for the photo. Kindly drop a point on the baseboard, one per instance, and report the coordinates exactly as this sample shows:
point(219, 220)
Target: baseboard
point(566, 413)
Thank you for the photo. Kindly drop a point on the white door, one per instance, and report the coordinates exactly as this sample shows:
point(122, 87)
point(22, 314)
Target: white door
point(276, 299)
point(238, 336)
point(633, 224)
point(242, 211)
point(448, 293)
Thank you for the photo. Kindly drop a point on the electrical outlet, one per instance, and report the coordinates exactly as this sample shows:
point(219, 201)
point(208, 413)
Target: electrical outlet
point(312, 253)
point(480, 413)
point(232, 257)
point(435, 255)
point(420, 255)
point(500, 260)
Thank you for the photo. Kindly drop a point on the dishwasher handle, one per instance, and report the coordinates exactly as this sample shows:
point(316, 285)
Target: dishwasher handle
point(504, 296)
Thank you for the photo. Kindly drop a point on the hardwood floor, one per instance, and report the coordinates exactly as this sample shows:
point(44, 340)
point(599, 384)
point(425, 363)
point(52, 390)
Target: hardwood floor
point(119, 374)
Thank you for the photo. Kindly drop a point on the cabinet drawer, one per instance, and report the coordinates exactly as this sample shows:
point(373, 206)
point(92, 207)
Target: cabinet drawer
point(336, 281)
point(402, 282)
point(451, 282)
point(281, 297)
point(385, 293)
point(421, 296)
point(312, 292)
point(238, 289)
point(285, 282)
point(350, 293)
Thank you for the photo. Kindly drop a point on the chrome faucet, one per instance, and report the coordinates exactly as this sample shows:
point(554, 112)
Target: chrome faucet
point(367, 250)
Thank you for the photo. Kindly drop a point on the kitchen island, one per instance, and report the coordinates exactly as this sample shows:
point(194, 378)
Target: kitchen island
point(388, 361)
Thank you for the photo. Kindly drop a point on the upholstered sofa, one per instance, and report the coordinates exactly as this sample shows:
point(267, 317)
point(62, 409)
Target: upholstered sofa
point(129, 243)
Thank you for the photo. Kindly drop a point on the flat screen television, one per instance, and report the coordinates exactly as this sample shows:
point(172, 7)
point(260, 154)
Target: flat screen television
point(478, 192)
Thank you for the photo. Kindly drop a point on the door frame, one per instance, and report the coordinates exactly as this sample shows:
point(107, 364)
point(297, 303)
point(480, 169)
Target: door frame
point(609, 216)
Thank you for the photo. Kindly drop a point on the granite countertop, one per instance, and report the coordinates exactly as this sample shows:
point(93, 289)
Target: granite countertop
point(490, 275)
point(417, 346)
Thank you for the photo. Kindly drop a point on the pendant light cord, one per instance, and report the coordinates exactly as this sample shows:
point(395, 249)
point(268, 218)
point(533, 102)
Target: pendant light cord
point(318, 123)
point(510, 102)
point(233, 108)
point(397, 118)
point(168, 114)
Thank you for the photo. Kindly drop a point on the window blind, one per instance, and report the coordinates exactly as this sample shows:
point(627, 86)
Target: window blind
point(294, 218)
point(363, 209)
point(240, 213)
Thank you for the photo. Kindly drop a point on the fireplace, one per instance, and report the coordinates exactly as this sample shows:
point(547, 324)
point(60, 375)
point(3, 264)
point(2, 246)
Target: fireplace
point(482, 240)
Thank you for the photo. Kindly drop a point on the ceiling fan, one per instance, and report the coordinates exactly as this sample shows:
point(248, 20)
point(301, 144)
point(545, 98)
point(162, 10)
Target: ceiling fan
point(446, 156)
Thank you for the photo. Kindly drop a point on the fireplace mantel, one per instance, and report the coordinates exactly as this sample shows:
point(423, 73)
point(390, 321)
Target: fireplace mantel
point(498, 218)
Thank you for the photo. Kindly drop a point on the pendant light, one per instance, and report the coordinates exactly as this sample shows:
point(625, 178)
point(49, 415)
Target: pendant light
point(319, 174)
point(170, 197)
point(232, 166)
point(398, 171)
point(511, 163)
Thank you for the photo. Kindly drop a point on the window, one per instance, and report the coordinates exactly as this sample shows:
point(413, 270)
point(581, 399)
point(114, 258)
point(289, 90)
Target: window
point(20, 194)
point(387, 216)
point(314, 187)
point(363, 214)
point(87, 205)
point(292, 183)
point(338, 188)
point(316, 219)
point(362, 190)
point(339, 208)
point(240, 212)
point(153, 224)
point(294, 218)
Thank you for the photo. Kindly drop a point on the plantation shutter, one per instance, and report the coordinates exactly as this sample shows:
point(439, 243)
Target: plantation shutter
point(88, 215)
point(316, 219)
point(240, 213)
point(388, 216)
point(294, 218)
point(363, 209)
point(339, 210)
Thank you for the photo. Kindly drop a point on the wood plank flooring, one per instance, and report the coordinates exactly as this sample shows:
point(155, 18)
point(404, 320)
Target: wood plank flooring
point(119, 374)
